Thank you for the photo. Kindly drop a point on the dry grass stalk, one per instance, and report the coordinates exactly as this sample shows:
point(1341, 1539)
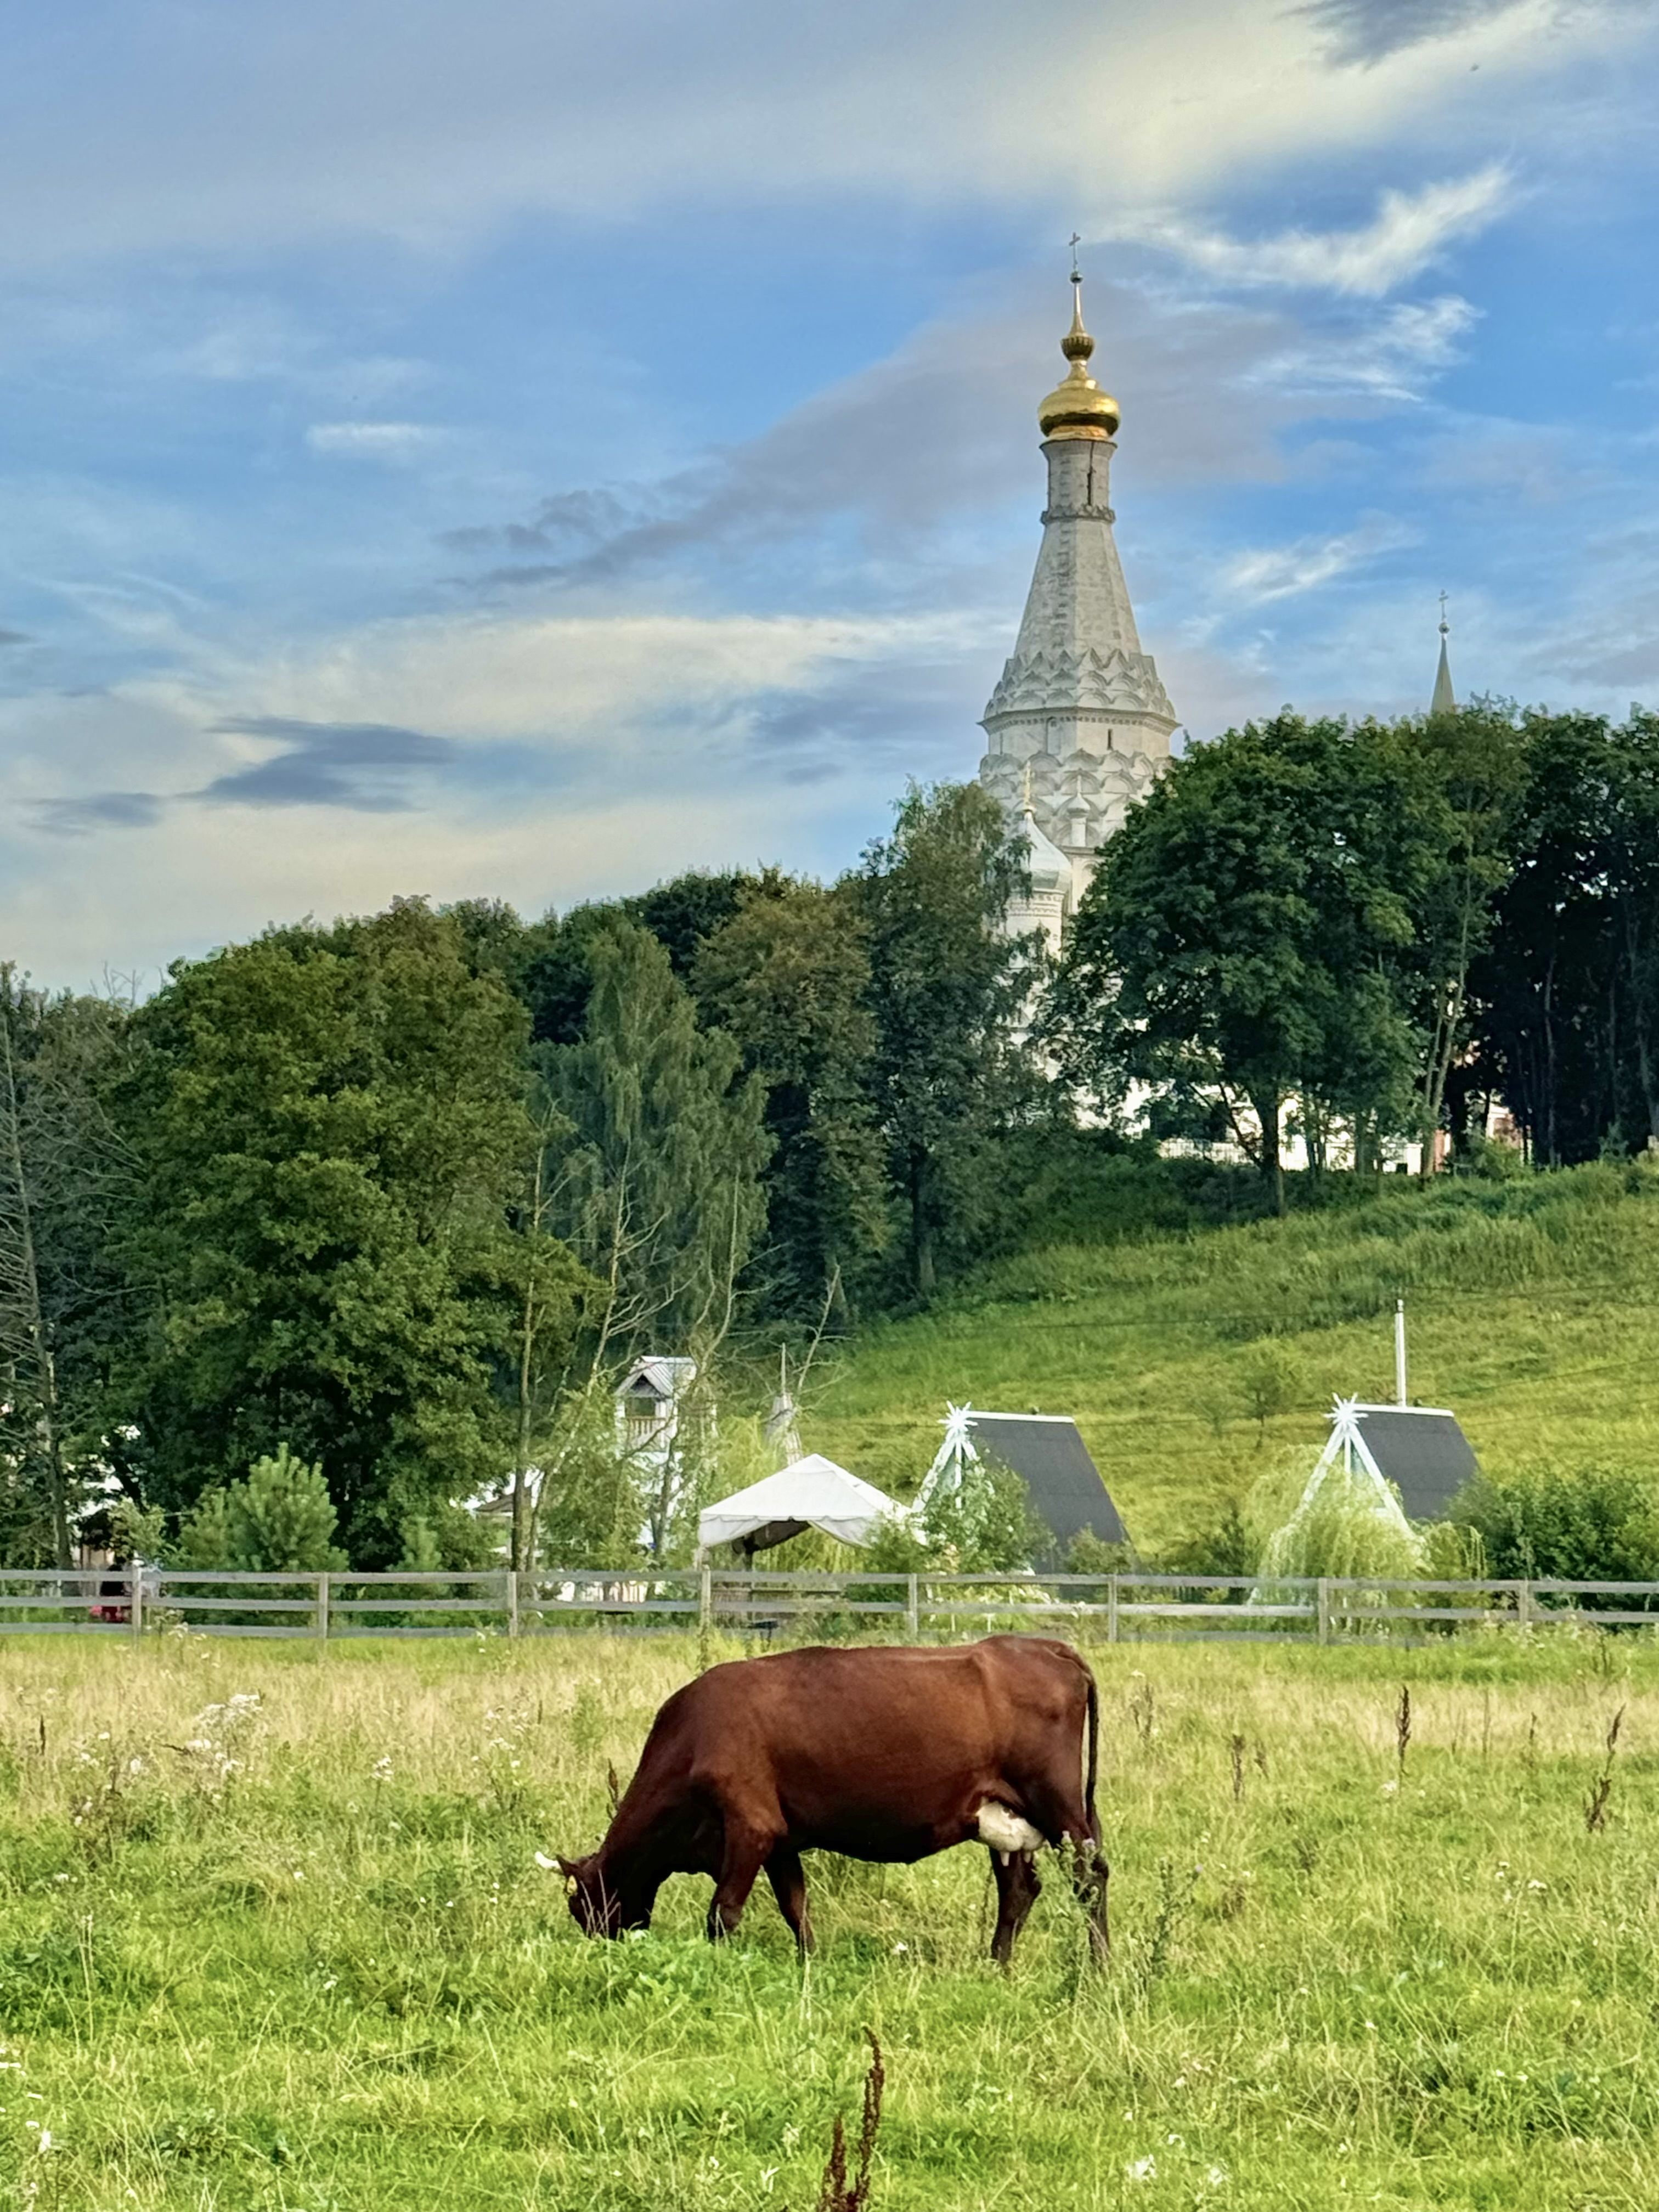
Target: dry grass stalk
point(1596, 1813)
point(836, 2196)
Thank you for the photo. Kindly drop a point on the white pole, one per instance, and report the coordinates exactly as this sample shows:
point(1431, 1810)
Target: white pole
point(1400, 1351)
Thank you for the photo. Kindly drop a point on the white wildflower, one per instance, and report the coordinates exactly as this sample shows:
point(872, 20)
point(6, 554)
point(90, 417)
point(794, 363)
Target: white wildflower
point(1141, 2169)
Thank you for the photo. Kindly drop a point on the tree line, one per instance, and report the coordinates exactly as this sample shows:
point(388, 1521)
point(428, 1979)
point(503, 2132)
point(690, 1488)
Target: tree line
point(403, 1194)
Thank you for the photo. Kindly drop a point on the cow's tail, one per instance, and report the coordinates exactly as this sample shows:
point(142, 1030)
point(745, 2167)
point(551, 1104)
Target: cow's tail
point(1094, 1752)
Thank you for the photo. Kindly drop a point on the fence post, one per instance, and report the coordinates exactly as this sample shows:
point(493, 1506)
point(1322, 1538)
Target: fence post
point(322, 1607)
point(1324, 1610)
point(512, 1600)
point(705, 1600)
point(1111, 1610)
point(913, 1607)
point(1523, 1604)
point(136, 1600)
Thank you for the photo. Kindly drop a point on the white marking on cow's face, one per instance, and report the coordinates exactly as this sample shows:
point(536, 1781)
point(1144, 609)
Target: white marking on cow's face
point(1005, 1831)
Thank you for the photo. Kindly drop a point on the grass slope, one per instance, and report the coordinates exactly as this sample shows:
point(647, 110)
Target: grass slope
point(296, 1955)
point(1533, 1309)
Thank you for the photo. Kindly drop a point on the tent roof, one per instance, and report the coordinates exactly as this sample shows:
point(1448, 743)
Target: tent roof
point(1051, 1459)
point(810, 1493)
point(1423, 1452)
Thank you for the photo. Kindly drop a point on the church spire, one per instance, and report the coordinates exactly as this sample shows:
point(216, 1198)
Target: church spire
point(1079, 724)
point(1444, 700)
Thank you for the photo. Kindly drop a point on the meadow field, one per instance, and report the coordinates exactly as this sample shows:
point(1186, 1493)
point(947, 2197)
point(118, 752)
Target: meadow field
point(1533, 1308)
point(273, 1935)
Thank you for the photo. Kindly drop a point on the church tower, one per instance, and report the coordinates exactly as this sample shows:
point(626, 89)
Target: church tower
point(1078, 726)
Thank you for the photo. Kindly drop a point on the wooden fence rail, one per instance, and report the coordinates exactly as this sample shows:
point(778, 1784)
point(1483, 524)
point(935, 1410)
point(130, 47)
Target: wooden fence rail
point(769, 1604)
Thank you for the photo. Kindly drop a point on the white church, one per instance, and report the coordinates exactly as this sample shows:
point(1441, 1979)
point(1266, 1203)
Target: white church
point(1079, 724)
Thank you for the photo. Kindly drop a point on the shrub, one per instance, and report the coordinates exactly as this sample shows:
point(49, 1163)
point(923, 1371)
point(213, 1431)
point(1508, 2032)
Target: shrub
point(1574, 1524)
point(1343, 1530)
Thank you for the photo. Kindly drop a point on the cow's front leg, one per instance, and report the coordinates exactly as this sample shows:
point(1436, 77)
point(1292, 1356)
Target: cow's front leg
point(741, 1861)
point(1018, 1891)
point(788, 1879)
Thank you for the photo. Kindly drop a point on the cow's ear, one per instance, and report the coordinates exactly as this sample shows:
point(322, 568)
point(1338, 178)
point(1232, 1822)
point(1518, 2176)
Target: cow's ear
point(570, 1868)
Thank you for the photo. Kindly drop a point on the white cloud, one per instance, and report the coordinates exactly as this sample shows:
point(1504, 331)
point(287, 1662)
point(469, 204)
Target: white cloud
point(373, 442)
point(1411, 231)
point(1279, 572)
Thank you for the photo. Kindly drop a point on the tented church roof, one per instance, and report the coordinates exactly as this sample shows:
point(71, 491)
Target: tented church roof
point(1051, 1459)
point(810, 1493)
point(1421, 1449)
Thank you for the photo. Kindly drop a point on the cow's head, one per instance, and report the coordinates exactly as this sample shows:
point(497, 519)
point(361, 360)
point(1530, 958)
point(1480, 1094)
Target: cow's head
point(595, 1906)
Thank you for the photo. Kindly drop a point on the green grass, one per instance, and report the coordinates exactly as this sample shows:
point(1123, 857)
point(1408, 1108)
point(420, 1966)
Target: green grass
point(331, 1975)
point(1533, 1306)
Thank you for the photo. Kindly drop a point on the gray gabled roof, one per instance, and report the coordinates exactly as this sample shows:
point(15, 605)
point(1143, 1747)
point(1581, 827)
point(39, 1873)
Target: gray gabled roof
point(1423, 1452)
point(1051, 1459)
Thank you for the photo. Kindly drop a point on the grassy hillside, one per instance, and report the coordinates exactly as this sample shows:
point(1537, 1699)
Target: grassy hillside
point(1533, 1309)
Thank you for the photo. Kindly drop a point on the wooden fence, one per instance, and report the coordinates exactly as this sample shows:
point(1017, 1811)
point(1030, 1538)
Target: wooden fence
point(1138, 1608)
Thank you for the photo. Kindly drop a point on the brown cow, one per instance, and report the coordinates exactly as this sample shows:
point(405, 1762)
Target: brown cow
point(878, 1754)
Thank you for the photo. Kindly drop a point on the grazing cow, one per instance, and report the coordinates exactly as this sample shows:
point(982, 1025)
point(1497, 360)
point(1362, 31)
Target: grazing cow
point(878, 1754)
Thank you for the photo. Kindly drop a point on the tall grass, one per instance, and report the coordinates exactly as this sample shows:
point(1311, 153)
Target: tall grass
point(1532, 1310)
point(299, 1954)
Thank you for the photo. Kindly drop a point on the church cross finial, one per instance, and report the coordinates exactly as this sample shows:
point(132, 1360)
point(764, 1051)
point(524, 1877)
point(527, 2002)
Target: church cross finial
point(1077, 240)
point(1445, 627)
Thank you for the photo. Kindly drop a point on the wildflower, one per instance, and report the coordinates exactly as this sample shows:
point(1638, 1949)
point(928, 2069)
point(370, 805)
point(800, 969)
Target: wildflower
point(381, 1769)
point(1141, 2169)
point(1390, 1789)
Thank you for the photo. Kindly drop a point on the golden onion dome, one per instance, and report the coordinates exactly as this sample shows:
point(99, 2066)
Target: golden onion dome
point(1077, 407)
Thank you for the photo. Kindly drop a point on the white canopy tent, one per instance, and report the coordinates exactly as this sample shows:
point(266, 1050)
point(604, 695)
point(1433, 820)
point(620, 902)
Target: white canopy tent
point(809, 1493)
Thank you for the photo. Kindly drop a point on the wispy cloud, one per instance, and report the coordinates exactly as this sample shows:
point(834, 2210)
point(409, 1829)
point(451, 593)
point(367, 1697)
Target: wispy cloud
point(102, 810)
point(1410, 232)
point(373, 442)
point(1389, 359)
point(1370, 30)
point(364, 766)
point(1279, 572)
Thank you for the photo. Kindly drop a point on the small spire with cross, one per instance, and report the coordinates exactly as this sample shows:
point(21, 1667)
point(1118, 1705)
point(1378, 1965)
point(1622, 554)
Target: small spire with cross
point(1445, 627)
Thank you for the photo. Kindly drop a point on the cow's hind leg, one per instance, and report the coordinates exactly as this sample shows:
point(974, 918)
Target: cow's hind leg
point(741, 1861)
point(788, 1879)
point(1065, 1821)
point(1018, 1890)
point(1090, 1872)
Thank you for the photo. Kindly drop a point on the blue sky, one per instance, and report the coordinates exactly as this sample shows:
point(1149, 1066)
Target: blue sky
point(513, 450)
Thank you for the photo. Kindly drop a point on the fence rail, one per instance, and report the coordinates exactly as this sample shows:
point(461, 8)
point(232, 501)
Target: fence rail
point(1125, 1607)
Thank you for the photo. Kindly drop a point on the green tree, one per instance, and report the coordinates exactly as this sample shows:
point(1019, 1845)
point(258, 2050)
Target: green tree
point(280, 1521)
point(62, 1164)
point(1251, 932)
point(947, 989)
point(660, 1193)
point(788, 976)
point(1478, 757)
point(331, 1128)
